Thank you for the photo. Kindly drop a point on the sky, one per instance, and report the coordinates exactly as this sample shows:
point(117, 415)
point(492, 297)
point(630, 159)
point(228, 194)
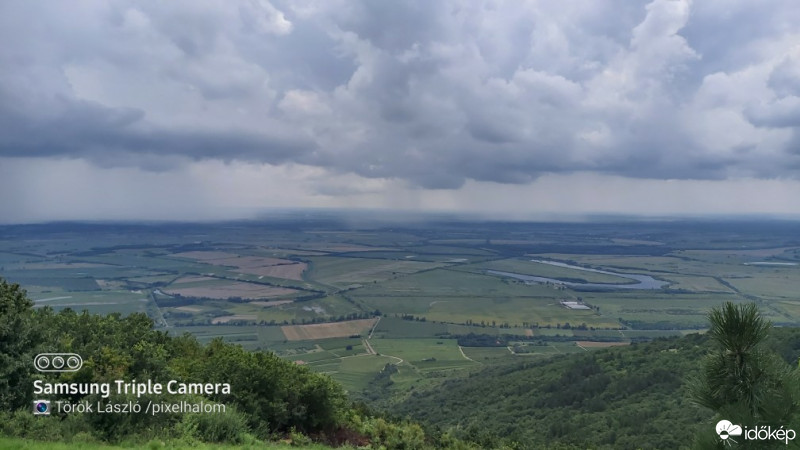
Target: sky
point(214, 110)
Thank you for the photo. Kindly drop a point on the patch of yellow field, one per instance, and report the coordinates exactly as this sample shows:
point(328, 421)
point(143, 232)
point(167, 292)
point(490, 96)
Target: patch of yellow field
point(327, 330)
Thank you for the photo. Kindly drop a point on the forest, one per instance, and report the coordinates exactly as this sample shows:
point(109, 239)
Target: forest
point(270, 399)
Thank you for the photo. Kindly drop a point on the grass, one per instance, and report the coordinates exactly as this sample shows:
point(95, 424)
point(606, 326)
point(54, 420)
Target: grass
point(773, 283)
point(444, 283)
point(418, 256)
point(348, 271)
point(555, 348)
point(324, 308)
point(394, 327)
point(682, 310)
point(696, 283)
point(527, 267)
point(356, 372)
point(76, 283)
point(462, 297)
point(329, 306)
point(650, 334)
point(450, 251)
point(117, 296)
point(407, 377)
point(139, 259)
point(102, 302)
point(315, 357)
point(338, 343)
point(515, 311)
point(553, 331)
point(424, 354)
point(611, 262)
point(224, 289)
point(151, 279)
point(397, 305)
point(487, 354)
point(267, 335)
point(791, 307)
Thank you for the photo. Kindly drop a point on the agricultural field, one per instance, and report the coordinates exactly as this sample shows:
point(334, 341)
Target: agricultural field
point(402, 305)
point(101, 301)
point(463, 297)
point(253, 265)
point(357, 372)
point(395, 327)
point(488, 355)
point(207, 287)
point(349, 272)
point(327, 330)
point(528, 349)
point(424, 354)
point(532, 267)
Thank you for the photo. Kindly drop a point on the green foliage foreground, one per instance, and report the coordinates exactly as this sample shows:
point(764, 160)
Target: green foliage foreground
point(668, 393)
point(270, 398)
point(744, 382)
point(635, 397)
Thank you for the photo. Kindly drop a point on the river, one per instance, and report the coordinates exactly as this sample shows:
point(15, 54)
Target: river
point(642, 281)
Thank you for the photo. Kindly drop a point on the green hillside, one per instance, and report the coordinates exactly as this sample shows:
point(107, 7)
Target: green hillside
point(263, 399)
point(622, 398)
point(630, 397)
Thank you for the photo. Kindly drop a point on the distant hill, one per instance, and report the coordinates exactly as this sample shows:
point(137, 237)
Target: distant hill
point(621, 398)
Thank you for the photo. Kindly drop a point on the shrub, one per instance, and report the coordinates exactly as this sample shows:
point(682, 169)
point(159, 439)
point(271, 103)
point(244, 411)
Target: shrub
point(229, 427)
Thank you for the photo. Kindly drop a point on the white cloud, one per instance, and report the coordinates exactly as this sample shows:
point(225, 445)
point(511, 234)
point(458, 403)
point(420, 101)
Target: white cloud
point(264, 17)
point(412, 101)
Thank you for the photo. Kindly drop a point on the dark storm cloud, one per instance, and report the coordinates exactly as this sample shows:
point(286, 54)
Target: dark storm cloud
point(729, 33)
point(431, 92)
point(394, 26)
point(84, 129)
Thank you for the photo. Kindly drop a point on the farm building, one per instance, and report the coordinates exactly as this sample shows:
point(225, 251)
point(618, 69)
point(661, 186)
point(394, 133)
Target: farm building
point(573, 305)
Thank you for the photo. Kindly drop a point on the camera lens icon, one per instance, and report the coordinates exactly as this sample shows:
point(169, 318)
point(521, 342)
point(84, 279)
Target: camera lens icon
point(74, 362)
point(41, 407)
point(58, 362)
point(42, 362)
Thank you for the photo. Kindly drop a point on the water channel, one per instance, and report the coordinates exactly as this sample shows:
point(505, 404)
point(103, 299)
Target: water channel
point(641, 281)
